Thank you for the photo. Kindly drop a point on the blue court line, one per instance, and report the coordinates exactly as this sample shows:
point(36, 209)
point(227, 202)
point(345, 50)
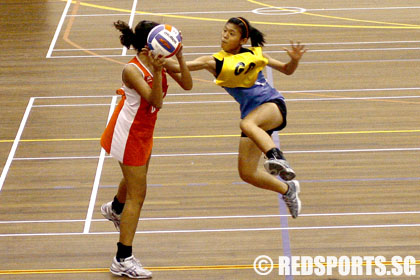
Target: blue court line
point(285, 238)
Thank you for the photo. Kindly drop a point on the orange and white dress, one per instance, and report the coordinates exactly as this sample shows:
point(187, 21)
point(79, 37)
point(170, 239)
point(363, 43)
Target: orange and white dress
point(128, 136)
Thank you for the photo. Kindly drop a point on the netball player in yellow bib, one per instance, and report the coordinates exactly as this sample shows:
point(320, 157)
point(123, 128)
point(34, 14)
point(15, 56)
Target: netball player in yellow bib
point(263, 110)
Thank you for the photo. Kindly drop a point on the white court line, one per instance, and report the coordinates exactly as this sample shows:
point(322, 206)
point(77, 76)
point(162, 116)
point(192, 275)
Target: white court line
point(74, 96)
point(70, 105)
point(60, 158)
point(97, 176)
point(232, 101)
point(220, 217)
point(58, 30)
point(309, 91)
point(249, 11)
point(361, 9)
point(224, 93)
point(356, 50)
point(93, 49)
point(299, 99)
point(326, 50)
point(16, 142)
point(298, 152)
point(171, 13)
point(130, 24)
point(214, 230)
point(234, 153)
point(266, 45)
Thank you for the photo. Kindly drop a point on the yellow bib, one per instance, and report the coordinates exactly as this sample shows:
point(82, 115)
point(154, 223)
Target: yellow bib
point(240, 70)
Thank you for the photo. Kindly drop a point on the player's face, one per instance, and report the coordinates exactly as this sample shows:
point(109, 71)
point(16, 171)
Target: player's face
point(231, 38)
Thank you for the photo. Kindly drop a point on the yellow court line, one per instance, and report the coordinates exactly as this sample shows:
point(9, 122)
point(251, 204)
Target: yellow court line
point(101, 270)
point(168, 268)
point(335, 17)
point(392, 26)
point(225, 135)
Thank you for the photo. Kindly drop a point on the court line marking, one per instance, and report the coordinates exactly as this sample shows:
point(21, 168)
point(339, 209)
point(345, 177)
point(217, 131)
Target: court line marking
point(229, 135)
point(303, 62)
point(357, 9)
point(88, 49)
point(223, 217)
point(156, 268)
point(280, 51)
point(270, 51)
point(212, 230)
point(232, 101)
point(71, 105)
point(275, 45)
point(97, 175)
point(66, 37)
point(265, 45)
point(58, 29)
point(224, 93)
point(232, 153)
point(251, 11)
point(15, 143)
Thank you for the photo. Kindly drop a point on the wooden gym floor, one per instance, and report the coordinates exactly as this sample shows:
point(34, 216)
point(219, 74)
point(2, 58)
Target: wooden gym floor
point(353, 137)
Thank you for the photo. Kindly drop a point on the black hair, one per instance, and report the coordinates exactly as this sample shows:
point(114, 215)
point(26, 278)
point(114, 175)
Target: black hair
point(136, 38)
point(248, 31)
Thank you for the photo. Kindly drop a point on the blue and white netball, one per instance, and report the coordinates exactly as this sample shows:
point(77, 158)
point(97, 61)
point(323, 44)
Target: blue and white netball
point(164, 39)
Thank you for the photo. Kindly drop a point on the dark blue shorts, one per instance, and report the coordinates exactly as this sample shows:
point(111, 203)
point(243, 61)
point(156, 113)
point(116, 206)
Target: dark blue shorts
point(283, 110)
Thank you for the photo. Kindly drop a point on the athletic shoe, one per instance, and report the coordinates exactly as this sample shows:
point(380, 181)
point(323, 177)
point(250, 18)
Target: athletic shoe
point(279, 167)
point(291, 198)
point(130, 267)
point(109, 214)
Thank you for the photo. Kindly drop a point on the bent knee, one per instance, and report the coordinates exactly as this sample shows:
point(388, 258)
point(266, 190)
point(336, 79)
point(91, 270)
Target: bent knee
point(246, 125)
point(247, 176)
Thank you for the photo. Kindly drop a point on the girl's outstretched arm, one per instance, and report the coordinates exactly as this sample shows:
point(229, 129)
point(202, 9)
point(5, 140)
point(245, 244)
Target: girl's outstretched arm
point(204, 62)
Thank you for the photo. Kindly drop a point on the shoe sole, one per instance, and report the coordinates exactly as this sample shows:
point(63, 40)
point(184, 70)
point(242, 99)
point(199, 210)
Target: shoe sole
point(278, 170)
point(117, 273)
point(117, 226)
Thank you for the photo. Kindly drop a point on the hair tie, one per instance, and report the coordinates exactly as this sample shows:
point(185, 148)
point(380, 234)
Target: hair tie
point(246, 26)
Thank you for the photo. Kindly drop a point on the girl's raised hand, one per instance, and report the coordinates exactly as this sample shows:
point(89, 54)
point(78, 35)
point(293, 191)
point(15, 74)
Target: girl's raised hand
point(296, 52)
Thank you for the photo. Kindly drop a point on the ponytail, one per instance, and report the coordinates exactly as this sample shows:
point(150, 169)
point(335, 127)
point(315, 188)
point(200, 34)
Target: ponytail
point(248, 31)
point(127, 37)
point(257, 37)
point(138, 38)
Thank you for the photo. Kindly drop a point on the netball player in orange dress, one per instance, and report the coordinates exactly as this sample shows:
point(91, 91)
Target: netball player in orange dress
point(128, 137)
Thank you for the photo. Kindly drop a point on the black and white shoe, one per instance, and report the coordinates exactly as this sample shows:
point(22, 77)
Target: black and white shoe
point(291, 198)
point(130, 267)
point(279, 167)
point(108, 213)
